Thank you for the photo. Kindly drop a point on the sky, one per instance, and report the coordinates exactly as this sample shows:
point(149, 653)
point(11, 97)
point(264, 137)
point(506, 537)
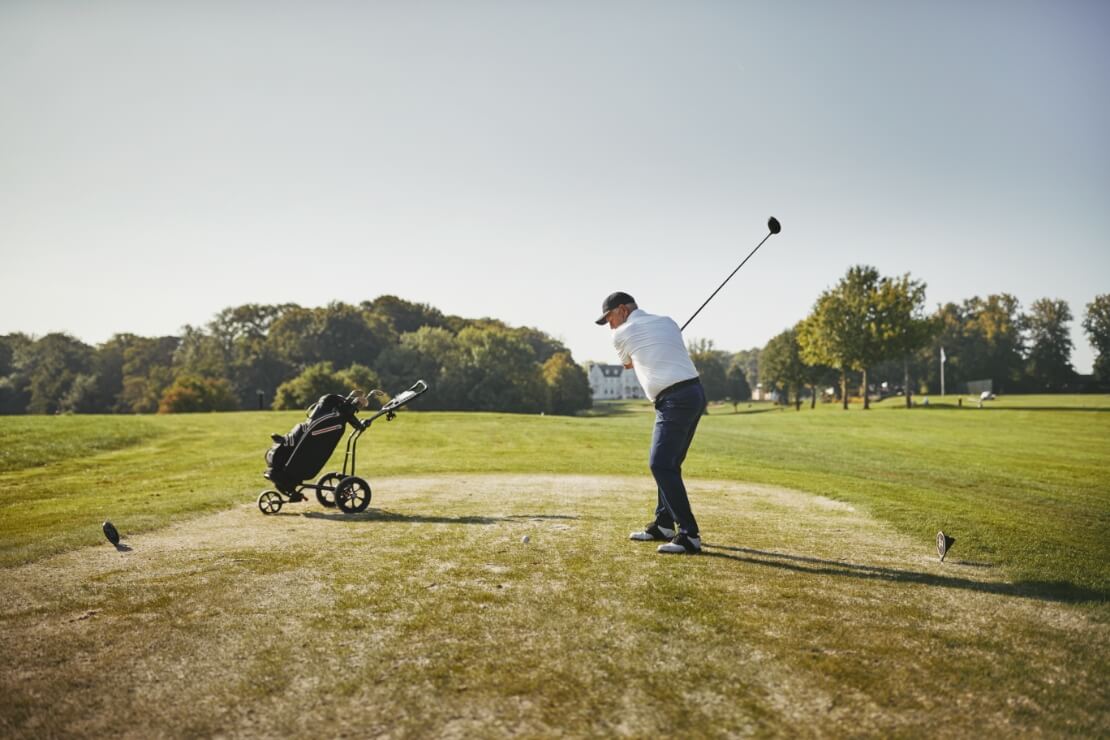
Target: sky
point(161, 161)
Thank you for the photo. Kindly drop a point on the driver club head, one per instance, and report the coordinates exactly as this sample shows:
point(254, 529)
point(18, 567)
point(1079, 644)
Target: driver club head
point(111, 533)
point(774, 225)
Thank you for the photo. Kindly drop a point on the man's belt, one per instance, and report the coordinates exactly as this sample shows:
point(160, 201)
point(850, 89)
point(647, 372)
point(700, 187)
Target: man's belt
point(675, 387)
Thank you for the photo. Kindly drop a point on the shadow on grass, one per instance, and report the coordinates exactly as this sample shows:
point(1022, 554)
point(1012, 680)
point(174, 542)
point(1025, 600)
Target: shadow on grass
point(384, 515)
point(1060, 591)
point(607, 410)
point(971, 406)
point(1047, 408)
point(726, 412)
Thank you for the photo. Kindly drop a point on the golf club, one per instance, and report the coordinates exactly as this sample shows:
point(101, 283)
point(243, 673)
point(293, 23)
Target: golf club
point(774, 227)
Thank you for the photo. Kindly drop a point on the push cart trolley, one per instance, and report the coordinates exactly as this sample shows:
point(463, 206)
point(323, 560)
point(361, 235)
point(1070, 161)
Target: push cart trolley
point(298, 456)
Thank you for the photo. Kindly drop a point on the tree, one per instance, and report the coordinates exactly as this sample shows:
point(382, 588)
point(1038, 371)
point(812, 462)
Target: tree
point(321, 379)
point(996, 324)
point(736, 385)
point(250, 362)
point(202, 354)
point(56, 362)
point(147, 372)
point(901, 325)
point(314, 381)
point(748, 361)
point(498, 371)
point(338, 333)
point(840, 331)
point(781, 367)
point(1096, 323)
point(350, 336)
point(712, 368)
point(816, 377)
point(1050, 345)
point(7, 355)
point(109, 373)
point(422, 355)
point(358, 378)
point(544, 346)
point(982, 338)
point(293, 338)
point(15, 382)
point(404, 316)
point(568, 387)
point(191, 393)
point(84, 396)
point(251, 321)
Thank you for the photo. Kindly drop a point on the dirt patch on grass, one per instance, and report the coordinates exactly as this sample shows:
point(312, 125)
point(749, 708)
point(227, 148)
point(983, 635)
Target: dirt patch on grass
point(428, 615)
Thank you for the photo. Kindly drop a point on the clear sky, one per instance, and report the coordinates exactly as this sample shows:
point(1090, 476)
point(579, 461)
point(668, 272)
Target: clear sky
point(161, 161)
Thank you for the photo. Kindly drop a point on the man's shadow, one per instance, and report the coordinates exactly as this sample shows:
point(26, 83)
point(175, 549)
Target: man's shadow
point(385, 515)
point(1058, 591)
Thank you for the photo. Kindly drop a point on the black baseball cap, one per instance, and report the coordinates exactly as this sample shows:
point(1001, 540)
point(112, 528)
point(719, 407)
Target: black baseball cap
point(612, 301)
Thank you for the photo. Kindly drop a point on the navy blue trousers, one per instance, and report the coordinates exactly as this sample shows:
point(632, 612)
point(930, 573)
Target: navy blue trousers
point(676, 419)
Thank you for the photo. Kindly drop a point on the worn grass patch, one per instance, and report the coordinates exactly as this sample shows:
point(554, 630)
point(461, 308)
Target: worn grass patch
point(808, 614)
point(428, 616)
point(1023, 483)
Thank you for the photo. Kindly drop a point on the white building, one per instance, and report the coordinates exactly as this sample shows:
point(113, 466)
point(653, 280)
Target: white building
point(613, 383)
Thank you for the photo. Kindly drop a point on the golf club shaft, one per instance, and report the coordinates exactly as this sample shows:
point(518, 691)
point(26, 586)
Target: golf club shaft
point(718, 290)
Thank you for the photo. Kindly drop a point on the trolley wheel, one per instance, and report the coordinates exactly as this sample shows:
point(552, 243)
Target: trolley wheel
point(352, 495)
point(269, 502)
point(325, 494)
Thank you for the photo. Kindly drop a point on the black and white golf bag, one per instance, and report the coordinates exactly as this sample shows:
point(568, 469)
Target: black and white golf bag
point(303, 452)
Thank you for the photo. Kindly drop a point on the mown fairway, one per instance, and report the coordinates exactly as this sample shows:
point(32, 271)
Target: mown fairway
point(818, 608)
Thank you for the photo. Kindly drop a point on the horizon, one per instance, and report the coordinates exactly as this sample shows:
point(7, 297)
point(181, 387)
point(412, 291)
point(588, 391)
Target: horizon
point(160, 164)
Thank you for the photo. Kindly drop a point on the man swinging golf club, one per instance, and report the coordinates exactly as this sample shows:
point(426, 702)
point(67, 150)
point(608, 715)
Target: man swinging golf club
point(653, 346)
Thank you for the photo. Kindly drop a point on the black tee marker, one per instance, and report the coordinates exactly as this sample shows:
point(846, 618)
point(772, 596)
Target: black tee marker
point(111, 533)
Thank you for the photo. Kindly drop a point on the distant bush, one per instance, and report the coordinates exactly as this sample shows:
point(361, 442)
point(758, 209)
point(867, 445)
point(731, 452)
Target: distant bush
point(193, 393)
point(320, 379)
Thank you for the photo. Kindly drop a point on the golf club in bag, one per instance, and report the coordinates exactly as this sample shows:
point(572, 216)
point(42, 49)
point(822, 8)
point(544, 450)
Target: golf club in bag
point(773, 227)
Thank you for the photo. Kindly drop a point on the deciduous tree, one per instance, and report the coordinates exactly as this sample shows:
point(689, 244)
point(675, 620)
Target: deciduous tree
point(1096, 322)
point(712, 368)
point(901, 324)
point(568, 387)
point(56, 362)
point(736, 383)
point(781, 367)
point(840, 331)
point(1050, 345)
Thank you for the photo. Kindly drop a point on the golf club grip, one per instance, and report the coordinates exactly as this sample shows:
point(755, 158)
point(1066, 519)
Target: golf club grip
point(718, 290)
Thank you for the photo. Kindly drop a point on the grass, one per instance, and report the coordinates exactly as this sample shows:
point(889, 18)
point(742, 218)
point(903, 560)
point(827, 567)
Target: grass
point(1023, 483)
point(810, 614)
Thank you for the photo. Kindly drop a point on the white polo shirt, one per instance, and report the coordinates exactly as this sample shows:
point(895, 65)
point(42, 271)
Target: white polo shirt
point(654, 346)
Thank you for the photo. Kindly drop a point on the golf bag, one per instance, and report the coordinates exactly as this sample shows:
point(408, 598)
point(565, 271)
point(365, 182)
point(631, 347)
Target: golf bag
point(303, 452)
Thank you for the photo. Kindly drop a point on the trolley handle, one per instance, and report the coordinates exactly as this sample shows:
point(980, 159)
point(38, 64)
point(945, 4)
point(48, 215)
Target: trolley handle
point(389, 410)
point(405, 396)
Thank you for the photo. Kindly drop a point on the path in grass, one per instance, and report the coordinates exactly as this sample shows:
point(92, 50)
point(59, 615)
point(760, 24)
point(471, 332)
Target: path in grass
point(429, 617)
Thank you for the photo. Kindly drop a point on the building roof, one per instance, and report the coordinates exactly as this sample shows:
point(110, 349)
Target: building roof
point(610, 371)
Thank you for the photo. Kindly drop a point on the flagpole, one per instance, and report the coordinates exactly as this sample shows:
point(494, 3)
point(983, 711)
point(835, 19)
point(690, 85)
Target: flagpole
point(942, 359)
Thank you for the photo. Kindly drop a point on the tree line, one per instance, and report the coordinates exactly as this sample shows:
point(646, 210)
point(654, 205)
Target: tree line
point(873, 330)
point(285, 356)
